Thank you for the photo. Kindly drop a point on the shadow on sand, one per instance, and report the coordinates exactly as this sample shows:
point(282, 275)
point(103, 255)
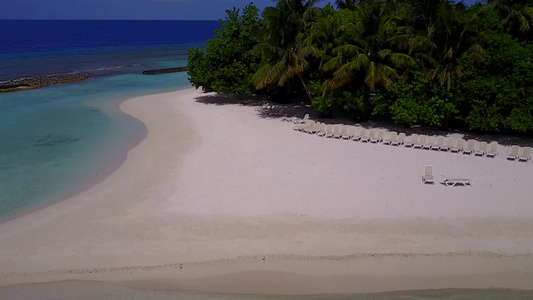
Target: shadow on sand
point(299, 109)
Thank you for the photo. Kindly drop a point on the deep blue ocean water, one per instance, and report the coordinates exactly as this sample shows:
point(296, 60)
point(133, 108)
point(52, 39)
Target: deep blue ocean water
point(33, 47)
point(54, 140)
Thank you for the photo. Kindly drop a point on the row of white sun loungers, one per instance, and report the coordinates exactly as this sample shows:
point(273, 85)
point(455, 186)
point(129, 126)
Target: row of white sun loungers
point(348, 133)
point(523, 155)
point(414, 141)
point(447, 144)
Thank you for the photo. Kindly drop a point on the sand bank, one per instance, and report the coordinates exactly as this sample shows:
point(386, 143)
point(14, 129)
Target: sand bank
point(217, 198)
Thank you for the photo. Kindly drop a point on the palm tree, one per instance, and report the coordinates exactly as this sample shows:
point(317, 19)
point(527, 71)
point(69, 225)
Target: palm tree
point(282, 65)
point(368, 51)
point(346, 4)
point(283, 48)
point(517, 14)
point(449, 39)
point(324, 34)
point(424, 13)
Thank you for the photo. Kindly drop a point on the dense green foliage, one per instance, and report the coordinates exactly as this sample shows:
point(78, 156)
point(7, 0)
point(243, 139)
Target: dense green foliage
point(228, 62)
point(433, 62)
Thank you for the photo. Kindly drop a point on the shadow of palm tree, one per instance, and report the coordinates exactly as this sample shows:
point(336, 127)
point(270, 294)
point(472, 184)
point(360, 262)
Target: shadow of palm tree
point(270, 110)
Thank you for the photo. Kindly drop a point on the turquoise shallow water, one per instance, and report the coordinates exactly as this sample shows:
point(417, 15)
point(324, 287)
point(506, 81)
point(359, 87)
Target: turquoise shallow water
point(56, 139)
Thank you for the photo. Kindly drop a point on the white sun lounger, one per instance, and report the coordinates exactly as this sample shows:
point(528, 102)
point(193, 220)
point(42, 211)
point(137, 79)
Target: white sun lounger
point(320, 128)
point(325, 130)
point(412, 141)
point(336, 130)
point(469, 147)
point(459, 146)
point(399, 141)
point(349, 134)
point(449, 182)
point(273, 111)
point(312, 130)
point(266, 108)
point(371, 135)
point(421, 142)
point(392, 137)
point(525, 155)
point(300, 121)
point(306, 129)
point(428, 175)
point(378, 138)
point(482, 149)
point(438, 144)
point(493, 149)
point(431, 141)
point(361, 134)
point(344, 130)
point(514, 153)
point(313, 125)
point(307, 123)
point(447, 146)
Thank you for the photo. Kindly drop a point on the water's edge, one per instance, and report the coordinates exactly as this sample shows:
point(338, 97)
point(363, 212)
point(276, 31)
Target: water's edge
point(132, 133)
point(102, 290)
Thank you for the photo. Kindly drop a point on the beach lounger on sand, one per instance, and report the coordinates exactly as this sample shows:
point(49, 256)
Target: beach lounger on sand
point(325, 130)
point(378, 138)
point(399, 141)
point(392, 137)
point(493, 149)
point(453, 181)
point(336, 130)
point(297, 120)
point(448, 145)
point(312, 124)
point(428, 175)
point(274, 111)
point(307, 123)
point(265, 109)
point(514, 153)
point(371, 135)
point(525, 155)
point(469, 147)
point(349, 134)
point(412, 140)
point(430, 142)
point(482, 149)
point(312, 130)
point(438, 144)
point(421, 142)
point(361, 134)
point(459, 146)
point(344, 130)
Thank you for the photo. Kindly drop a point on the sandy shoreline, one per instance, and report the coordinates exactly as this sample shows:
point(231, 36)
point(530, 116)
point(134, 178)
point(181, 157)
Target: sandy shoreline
point(218, 199)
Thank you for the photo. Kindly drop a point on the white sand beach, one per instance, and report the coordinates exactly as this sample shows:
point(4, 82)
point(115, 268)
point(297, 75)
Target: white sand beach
point(218, 198)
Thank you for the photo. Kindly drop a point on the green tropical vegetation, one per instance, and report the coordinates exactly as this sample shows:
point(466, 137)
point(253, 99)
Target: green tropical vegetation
point(431, 62)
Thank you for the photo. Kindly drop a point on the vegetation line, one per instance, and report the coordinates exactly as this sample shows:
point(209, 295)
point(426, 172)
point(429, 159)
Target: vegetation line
point(432, 62)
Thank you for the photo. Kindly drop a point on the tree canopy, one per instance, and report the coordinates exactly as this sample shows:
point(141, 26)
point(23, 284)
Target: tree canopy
point(427, 62)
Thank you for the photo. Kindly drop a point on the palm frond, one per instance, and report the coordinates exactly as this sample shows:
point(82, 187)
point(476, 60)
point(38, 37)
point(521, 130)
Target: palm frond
point(347, 50)
point(401, 60)
point(476, 52)
point(333, 64)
